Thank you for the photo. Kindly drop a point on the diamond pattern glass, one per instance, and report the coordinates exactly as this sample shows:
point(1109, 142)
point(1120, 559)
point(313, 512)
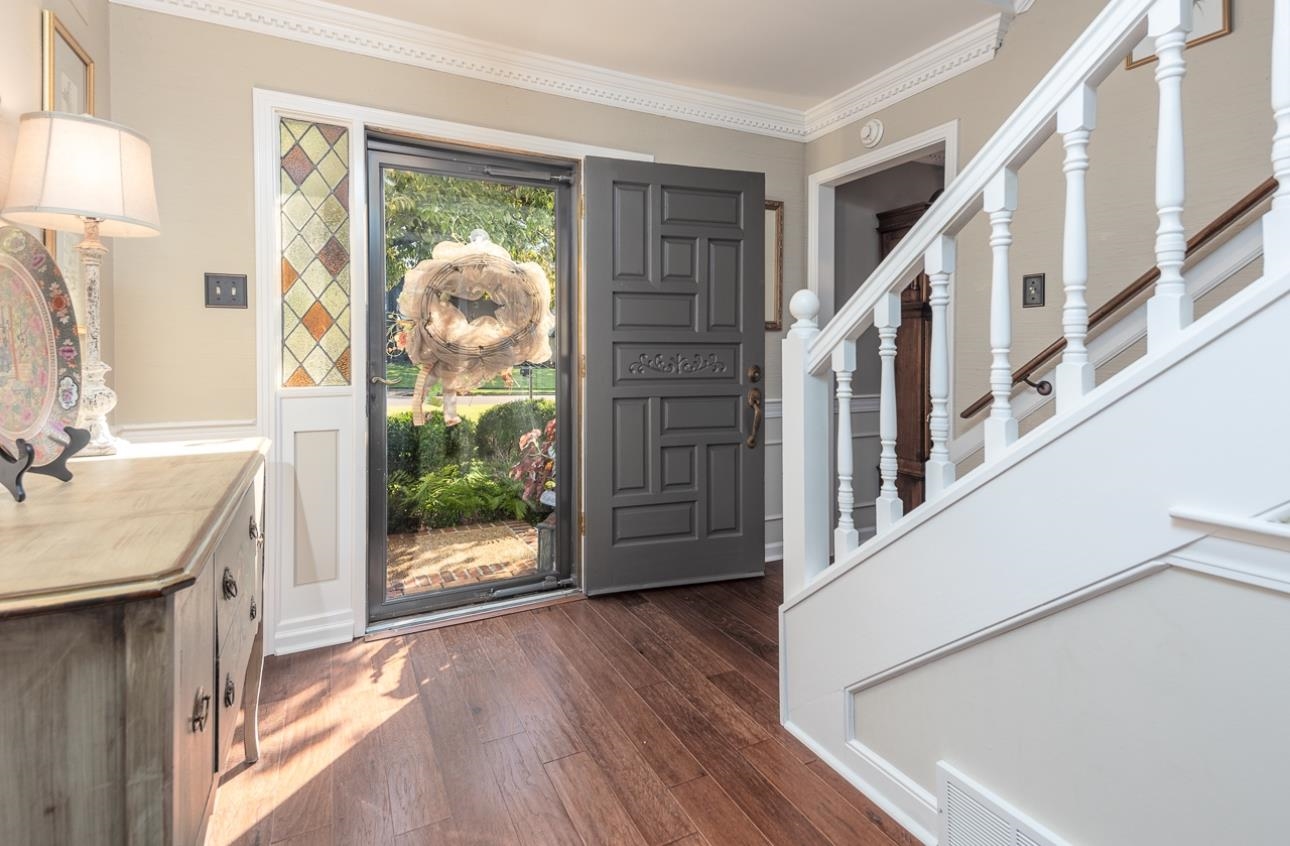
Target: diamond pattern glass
point(315, 255)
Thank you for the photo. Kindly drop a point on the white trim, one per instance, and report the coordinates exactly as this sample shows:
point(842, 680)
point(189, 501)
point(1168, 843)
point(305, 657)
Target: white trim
point(1194, 557)
point(821, 187)
point(773, 409)
point(197, 430)
point(957, 54)
point(1244, 529)
point(775, 551)
point(341, 28)
point(879, 781)
point(312, 632)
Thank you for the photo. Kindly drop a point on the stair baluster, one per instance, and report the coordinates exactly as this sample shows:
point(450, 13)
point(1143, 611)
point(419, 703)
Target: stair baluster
point(1076, 119)
point(1276, 224)
point(845, 536)
point(1170, 310)
point(1000, 204)
point(888, 507)
point(939, 264)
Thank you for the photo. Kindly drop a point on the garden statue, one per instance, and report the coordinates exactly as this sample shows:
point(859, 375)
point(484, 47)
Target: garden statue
point(460, 352)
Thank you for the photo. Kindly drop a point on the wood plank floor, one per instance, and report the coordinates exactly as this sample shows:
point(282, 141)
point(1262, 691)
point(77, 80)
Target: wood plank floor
point(646, 718)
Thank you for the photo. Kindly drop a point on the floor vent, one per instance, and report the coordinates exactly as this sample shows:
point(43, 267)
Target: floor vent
point(973, 816)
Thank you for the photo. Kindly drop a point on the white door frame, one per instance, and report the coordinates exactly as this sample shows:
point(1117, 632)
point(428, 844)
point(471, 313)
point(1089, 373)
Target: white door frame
point(821, 188)
point(333, 611)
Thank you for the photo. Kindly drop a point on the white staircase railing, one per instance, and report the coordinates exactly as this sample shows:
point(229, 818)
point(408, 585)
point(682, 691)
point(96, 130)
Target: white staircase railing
point(1064, 102)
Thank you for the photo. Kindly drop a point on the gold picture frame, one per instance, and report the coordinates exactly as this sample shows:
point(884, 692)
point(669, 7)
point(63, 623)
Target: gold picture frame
point(67, 85)
point(1207, 24)
point(774, 290)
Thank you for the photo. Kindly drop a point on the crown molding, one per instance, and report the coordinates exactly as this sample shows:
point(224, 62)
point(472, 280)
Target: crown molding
point(961, 52)
point(341, 28)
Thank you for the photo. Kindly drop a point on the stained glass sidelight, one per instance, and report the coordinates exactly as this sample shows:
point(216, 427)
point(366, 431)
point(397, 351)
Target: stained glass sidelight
point(315, 254)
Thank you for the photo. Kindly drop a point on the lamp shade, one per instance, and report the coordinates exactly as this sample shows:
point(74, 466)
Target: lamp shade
point(70, 167)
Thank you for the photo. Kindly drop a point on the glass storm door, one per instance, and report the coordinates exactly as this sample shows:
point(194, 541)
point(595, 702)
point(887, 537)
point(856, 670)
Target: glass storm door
point(469, 393)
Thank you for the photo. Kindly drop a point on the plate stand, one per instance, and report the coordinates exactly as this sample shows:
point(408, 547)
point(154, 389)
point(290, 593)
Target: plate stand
point(12, 470)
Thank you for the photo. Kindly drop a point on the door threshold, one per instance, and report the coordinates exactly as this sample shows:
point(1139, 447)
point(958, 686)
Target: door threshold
point(468, 613)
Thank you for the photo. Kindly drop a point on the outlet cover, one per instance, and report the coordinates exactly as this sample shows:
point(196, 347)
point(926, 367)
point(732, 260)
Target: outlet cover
point(225, 290)
point(1032, 290)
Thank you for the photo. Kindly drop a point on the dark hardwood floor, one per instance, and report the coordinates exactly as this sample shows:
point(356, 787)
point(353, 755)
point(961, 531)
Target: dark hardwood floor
point(645, 718)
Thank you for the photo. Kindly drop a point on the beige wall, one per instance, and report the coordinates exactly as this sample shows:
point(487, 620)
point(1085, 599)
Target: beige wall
point(21, 86)
point(187, 86)
point(1229, 130)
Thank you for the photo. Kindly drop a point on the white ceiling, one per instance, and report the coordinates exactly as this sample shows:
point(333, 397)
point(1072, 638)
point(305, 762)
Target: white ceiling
point(774, 51)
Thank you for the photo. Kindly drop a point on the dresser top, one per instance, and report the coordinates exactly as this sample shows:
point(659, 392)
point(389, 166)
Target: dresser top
point(127, 526)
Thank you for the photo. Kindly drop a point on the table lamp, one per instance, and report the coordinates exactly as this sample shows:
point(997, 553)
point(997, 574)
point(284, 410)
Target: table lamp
point(77, 173)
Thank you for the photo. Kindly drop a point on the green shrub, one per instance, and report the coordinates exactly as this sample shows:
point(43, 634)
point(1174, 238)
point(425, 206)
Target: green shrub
point(451, 496)
point(402, 441)
point(497, 435)
point(402, 508)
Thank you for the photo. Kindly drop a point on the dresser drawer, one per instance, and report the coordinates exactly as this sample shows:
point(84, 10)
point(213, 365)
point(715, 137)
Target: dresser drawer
point(239, 604)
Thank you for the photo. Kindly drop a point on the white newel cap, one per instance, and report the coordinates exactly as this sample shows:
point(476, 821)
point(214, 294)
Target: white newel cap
point(805, 306)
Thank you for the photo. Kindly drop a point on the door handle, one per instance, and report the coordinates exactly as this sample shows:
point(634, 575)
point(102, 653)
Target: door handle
point(381, 380)
point(754, 402)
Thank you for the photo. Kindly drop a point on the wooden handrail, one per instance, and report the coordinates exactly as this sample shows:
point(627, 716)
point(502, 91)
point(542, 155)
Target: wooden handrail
point(1196, 243)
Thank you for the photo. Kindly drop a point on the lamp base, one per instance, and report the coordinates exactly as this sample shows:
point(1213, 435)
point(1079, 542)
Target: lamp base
point(97, 401)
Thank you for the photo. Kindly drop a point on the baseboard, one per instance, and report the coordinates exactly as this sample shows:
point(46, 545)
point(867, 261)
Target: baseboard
point(197, 430)
point(775, 551)
point(318, 630)
point(912, 809)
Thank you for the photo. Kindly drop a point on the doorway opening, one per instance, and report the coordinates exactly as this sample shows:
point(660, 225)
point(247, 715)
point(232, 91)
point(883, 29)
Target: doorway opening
point(470, 391)
point(871, 214)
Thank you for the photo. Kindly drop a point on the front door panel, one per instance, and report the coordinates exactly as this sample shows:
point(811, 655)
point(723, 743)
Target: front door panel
point(675, 338)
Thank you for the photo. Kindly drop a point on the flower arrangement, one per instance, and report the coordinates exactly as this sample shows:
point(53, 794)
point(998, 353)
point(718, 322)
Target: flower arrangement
point(536, 466)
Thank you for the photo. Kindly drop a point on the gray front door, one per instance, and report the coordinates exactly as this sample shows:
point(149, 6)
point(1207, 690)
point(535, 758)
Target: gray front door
point(675, 336)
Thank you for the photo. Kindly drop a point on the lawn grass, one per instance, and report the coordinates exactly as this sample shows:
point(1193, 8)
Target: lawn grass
point(543, 379)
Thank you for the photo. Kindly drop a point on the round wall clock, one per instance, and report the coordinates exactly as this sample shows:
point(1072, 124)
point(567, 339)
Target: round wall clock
point(40, 353)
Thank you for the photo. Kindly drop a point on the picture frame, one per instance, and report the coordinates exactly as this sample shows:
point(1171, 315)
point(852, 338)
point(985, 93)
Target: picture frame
point(67, 86)
point(774, 288)
point(1210, 19)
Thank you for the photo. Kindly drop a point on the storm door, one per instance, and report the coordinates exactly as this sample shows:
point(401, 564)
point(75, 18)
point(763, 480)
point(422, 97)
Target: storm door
point(470, 395)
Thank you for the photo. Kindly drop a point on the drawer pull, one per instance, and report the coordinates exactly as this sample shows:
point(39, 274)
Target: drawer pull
point(254, 609)
point(230, 692)
point(201, 711)
point(230, 584)
point(256, 534)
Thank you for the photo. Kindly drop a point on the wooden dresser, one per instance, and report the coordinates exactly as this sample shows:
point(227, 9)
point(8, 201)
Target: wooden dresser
point(131, 611)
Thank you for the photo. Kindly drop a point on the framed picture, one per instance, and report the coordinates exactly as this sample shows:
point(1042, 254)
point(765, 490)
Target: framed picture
point(774, 265)
point(69, 70)
point(1210, 19)
point(68, 86)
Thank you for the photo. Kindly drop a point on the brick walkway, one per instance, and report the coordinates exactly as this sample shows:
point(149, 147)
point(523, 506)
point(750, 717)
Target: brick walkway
point(422, 576)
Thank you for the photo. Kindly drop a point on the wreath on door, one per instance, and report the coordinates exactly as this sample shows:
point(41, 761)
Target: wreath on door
point(461, 352)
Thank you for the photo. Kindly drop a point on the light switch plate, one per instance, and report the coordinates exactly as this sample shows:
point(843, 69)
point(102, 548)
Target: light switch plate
point(1032, 290)
point(225, 290)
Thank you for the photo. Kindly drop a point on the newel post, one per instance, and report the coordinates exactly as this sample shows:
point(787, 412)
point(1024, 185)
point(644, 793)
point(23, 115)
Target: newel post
point(806, 402)
point(1276, 223)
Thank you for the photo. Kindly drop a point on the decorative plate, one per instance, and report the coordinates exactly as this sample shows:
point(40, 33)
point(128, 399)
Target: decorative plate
point(40, 353)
